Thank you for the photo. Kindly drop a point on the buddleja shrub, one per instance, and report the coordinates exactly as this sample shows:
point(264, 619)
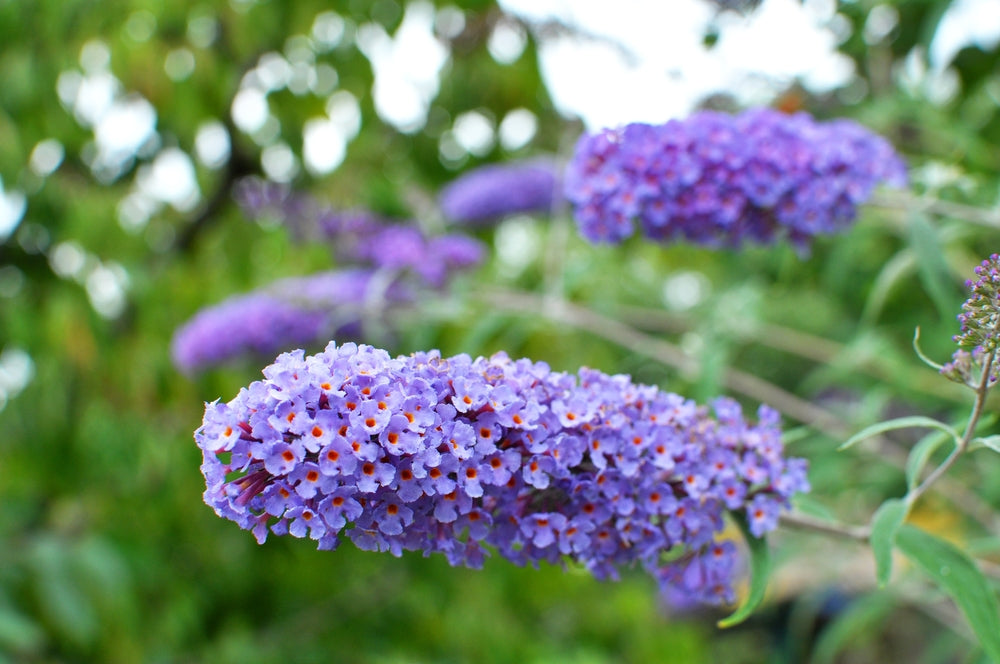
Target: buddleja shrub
point(466, 457)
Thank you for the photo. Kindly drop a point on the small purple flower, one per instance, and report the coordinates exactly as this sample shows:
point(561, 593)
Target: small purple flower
point(491, 192)
point(718, 179)
point(762, 514)
point(451, 455)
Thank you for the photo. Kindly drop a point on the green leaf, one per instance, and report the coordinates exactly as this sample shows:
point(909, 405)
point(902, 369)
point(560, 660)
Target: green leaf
point(899, 423)
point(961, 579)
point(760, 570)
point(19, 633)
point(920, 455)
point(885, 524)
point(992, 442)
point(916, 347)
point(932, 267)
point(898, 269)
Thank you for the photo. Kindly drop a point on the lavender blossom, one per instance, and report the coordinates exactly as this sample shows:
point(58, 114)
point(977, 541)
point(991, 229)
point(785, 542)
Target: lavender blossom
point(492, 192)
point(980, 319)
point(288, 313)
point(362, 238)
point(406, 248)
point(718, 179)
point(451, 455)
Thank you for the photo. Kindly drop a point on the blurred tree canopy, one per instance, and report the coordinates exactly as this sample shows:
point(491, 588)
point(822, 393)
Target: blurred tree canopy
point(124, 126)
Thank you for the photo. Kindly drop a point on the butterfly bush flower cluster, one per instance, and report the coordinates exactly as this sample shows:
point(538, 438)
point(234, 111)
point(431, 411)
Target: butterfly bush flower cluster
point(360, 237)
point(980, 319)
point(453, 455)
point(492, 192)
point(721, 180)
point(294, 311)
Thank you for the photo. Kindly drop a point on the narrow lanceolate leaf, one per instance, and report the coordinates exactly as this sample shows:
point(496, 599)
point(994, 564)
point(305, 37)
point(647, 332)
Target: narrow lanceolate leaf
point(916, 347)
point(920, 455)
point(899, 423)
point(992, 442)
point(958, 576)
point(885, 524)
point(760, 570)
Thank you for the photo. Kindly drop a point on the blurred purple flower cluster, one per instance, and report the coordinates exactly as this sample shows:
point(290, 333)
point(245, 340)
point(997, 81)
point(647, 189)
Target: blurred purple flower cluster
point(360, 237)
point(451, 454)
point(492, 192)
point(980, 319)
point(720, 180)
point(288, 313)
point(387, 263)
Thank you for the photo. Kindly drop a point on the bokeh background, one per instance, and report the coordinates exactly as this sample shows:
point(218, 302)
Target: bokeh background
point(124, 126)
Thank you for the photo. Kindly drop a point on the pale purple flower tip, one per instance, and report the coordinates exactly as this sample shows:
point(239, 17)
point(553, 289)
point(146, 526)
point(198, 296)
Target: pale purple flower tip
point(492, 192)
point(289, 313)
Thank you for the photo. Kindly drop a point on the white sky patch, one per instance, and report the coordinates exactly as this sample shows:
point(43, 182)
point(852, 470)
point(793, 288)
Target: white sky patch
point(324, 146)
point(212, 145)
point(344, 110)
point(449, 22)
point(107, 285)
point(279, 162)
point(326, 80)
point(179, 64)
point(655, 66)
point(68, 259)
point(474, 132)
point(882, 20)
point(250, 110)
point(12, 207)
point(89, 97)
point(170, 178)
point(46, 157)
point(407, 66)
point(964, 24)
point(95, 56)
point(302, 79)
point(124, 125)
point(327, 30)
point(517, 129)
point(16, 371)
point(271, 73)
point(507, 41)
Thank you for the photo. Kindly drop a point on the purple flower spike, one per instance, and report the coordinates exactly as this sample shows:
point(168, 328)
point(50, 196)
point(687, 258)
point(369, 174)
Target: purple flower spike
point(721, 180)
point(289, 313)
point(454, 455)
point(979, 338)
point(492, 192)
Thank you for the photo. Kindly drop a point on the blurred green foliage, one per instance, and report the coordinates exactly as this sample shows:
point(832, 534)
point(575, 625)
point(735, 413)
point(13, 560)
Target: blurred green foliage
point(107, 552)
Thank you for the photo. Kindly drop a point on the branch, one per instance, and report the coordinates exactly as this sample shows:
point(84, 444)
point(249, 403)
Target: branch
point(908, 201)
point(561, 311)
